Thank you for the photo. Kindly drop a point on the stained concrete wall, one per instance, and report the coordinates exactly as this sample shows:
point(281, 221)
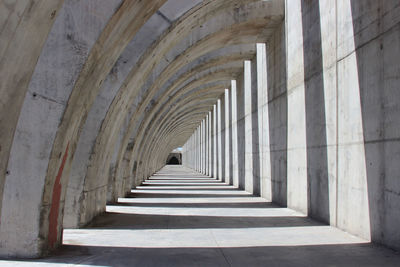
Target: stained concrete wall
point(275, 127)
point(341, 115)
point(328, 117)
point(309, 121)
point(64, 53)
point(148, 33)
point(241, 139)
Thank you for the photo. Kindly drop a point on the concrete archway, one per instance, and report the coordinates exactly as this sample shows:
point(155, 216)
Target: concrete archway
point(278, 98)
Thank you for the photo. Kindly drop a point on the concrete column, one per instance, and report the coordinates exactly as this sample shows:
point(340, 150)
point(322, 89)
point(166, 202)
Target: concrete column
point(263, 123)
point(184, 155)
point(234, 136)
point(297, 141)
point(193, 145)
point(249, 184)
point(189, 152)
point(193, 148)
point(194, 151)
point(199, 149)
point(196, 145)
point(215, 144)
point(210, 145)
point(207, 171)
point(219, 140)
point(204, 147)
point(227, 137)
point(201, 152)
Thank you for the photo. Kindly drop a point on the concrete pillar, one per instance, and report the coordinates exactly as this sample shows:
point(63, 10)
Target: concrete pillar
point(204, 147)
point(249, 183)
point(263, 123)
point(227, 137)
point(201, 152)
point(215, 144)
point(297, 141)
point(189, 152)
point(234, 134)
point(210, 144)
point(197, 149)
point(193, 151)
point(219, 140)
point(207, 170)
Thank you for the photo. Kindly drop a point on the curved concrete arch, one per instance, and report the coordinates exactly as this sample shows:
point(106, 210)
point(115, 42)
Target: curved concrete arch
point(209, 104)
point(123, 152)
point(309, 123)
point(107, 143)
point(243, 33)
point(137, 77)
point(143, 163)
point(246, 32)
point(168, 120)
point(154, 27)
point(28, 23)
point(157, 163)
point(161, 146)
point(183, 109)
point(246, 27)
point(156, 119)
point(225, 75)
point(114, 38)
point(183, 132)
point(157, 145)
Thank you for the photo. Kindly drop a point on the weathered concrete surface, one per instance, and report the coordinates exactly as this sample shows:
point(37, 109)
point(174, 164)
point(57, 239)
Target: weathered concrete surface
point(62, 58)
point(179, 217)
point(347, 114)
point(50, 218)
point(24, 28)
point(302, 111)
point(170, 71)
point(107, 138)
point(146, 35)
point(114, 38)
point(332, 124)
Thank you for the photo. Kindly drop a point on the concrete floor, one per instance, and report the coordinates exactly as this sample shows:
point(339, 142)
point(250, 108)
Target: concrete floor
point(181, 218)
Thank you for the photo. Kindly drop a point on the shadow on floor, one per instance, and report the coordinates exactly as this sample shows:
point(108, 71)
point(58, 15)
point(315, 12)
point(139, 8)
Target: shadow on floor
point(255, 205)
point(183, 182)
point(150, 234)
point(316, 255)
point(115, 220)
point(205, 188)
point(185, 195)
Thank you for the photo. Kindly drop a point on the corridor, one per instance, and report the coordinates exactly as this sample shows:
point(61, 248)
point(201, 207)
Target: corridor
point(179, 217)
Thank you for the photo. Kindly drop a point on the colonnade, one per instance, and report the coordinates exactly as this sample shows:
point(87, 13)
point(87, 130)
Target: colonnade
point(309, 123)
point(296, 101)
point(229, 144)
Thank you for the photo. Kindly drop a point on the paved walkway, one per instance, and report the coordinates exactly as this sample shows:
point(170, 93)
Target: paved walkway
point(181, 218)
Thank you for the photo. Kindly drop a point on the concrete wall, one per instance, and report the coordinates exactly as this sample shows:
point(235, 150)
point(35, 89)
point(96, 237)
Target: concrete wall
point(240, 138)
point(329, 128)
point(341, 114)
point(64, 53)
point(302, 111)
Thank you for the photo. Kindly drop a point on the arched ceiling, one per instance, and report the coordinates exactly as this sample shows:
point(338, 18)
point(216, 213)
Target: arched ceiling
point(149, 72)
